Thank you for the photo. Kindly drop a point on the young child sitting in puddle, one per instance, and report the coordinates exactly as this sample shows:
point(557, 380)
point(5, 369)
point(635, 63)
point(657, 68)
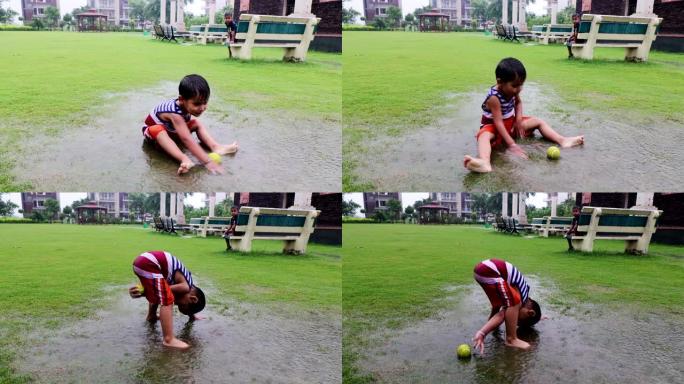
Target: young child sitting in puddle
point(174, 120)
point(503, 121)
point(508, 293)
point(165, 280)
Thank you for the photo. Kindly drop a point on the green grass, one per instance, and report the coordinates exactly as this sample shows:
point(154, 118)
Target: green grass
point(395, 274)
point(57, 273)
point(396, 81)
point(57, 79)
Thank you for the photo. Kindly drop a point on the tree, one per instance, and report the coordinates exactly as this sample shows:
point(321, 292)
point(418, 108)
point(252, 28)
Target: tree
point(380, 216)
point(67, 19)
point(78, 203)
point(37, 216)
point(479, 10)
point(349, 15)
point(223, 208)
point(137, 11)
point(37, 24)
point(393, 209)
point(136, 203)
point(51, 209)
point(349, 207)
point(379, 23)
point(393, 17)
point(7, 208)
point(152, 204)
point(52, 16)
point(67, 211)
point(410, 18)
point(219, 17)
point(6, 14)
point(420, 11)
point(420, 203)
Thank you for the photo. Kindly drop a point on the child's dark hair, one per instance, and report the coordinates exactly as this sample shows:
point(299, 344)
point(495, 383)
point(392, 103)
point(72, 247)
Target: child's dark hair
point(194, 86)
point(227, 14)
point(193, 308)
point(510, 69)
point(530, 321)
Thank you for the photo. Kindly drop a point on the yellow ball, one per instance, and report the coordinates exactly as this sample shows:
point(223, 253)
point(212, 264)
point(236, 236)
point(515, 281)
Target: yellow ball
point(215, 157)
point(463, 351)
point(553, 153)
point(141, 289)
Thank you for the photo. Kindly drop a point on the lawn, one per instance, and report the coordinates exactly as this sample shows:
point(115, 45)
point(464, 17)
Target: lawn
point(56, 274)
point(395, 83)
point(396, 274)
point(56, 81)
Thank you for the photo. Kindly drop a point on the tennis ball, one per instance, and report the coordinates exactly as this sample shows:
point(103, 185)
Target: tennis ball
point(463, 351)
point(553, 153)
point(215, 157)
point(141, 289)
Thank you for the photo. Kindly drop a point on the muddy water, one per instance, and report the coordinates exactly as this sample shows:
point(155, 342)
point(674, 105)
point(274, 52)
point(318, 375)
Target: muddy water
point(635, 152)
point(237, 344)
point(276, 151)
point(579, 344)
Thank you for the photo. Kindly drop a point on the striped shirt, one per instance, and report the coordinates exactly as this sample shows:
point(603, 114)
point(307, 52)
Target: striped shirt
point(168, 106)
point(507, 106)
point(500, 269)
point(162, 264)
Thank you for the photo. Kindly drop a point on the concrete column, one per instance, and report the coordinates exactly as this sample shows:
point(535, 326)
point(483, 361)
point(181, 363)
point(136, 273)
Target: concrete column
point(521, 208)
point(172, 211)
point(180, 208)
point(302, 8)
point(504, 204)
point(516, 7)
point(554, 203)
point(117, 208)
point(514, 211)
point(459, 205)
point(117, 12)
point(644, 200)
point(211, 10)
point(302, 200)
point(162, 14)
point(174, 6)
point(644, 8)
point(212, 203)
point(553, 5)
point(522, 15)
point(459, 15)
point(180, 23)
point(504, 11)
point(162, 204)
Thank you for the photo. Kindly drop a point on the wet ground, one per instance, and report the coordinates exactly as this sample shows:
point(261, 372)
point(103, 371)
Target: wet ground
point(577, 344)
point(276, 152)
point(621, 152)
point(237, 343)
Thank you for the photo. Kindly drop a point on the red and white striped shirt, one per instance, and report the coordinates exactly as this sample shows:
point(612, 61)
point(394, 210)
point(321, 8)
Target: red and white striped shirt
point(495, 269)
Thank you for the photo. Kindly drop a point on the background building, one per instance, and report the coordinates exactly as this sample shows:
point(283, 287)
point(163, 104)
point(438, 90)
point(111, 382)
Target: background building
point(378, 8)
point(329, 32)
point(459, 203)
point(117, 11)
point(35, 201)
point(458, 10)
point(671, 31)
point(377, 201)
point(115, 202)
point(36, 8)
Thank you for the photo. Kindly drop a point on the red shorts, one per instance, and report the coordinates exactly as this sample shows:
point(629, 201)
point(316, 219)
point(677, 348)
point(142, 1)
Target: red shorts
point(157, 290)
point(499, 292)
point(508, 123)
point(151, 131)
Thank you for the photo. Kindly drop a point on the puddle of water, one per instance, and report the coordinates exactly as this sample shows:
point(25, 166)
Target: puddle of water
point(109, 153)
point(636, 154)
point(242, 344)
point(576, 345)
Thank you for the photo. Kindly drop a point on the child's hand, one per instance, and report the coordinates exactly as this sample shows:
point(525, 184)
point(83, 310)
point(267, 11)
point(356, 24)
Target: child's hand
point(214, 168)
point(517, 151)
point(478, 341)
point(185, 167)
point(134, 292)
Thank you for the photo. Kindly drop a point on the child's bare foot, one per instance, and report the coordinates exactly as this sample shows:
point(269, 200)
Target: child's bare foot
point(476, 164)
point(517, 343)
point(568, 142)
point(175, 343)
point(225, 149)
point(185, 167)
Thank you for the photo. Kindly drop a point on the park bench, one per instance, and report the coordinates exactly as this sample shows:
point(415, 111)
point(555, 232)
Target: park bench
point(538, 223)
point(196, 223)
point(293, 34)
point(500, 226)
point(555, 224)
point(211, 225)
point(159, 32)
point(158, 224)
point(292, 226)
point(500, 32)
point(209, 33)
point(633, 226)
point(635, 34)
point(553, 32)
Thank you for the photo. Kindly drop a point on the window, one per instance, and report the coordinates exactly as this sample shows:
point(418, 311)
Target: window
point(383, 11)
point(382, 203)
point(377, 11)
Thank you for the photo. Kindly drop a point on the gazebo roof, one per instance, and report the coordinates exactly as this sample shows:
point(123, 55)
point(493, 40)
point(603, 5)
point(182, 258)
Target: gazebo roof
point(91, 206)
point(91, 12)
point(433, 206)
point(433, 14)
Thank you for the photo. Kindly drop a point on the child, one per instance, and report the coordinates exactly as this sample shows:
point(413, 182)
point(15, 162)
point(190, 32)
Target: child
point(232, 27)
point(573, 227)
point(231, 227)
point(166, 281)
point(508, 293)
point(573, 37)
point(173, 120)
point(503, 121)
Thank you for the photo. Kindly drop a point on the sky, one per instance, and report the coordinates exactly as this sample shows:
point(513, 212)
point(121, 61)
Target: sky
point(66, 6)
point(538, 200)
point(408, 6)
point(197, 200)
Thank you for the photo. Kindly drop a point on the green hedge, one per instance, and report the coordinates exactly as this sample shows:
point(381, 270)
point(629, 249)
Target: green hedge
point(357, 220)
point(14, 220)
point(15, 28)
